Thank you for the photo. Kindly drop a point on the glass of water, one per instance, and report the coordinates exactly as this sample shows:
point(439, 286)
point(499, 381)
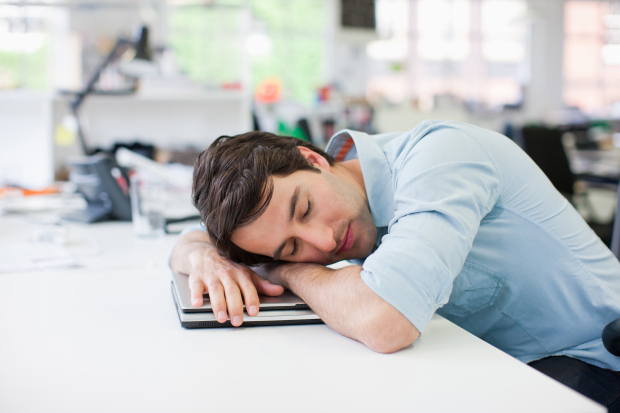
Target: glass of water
point(147, 205)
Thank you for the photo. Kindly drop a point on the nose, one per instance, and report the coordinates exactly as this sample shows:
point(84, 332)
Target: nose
point(320, 237)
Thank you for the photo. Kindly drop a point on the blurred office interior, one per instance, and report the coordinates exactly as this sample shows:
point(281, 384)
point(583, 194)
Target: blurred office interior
point(537, 71)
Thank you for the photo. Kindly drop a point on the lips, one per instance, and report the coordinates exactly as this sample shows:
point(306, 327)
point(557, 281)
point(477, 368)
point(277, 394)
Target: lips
point(348, 241)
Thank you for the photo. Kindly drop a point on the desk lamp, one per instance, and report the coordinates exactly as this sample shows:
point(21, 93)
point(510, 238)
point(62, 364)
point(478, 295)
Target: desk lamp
point(140, 65)
point(99, 179)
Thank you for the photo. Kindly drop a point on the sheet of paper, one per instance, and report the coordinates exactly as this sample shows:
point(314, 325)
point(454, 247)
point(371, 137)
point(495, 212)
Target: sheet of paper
point(35, 256)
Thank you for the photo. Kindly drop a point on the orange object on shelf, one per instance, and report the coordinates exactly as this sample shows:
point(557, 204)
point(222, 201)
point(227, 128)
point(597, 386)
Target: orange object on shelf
point(269, 90)
point(16, 191)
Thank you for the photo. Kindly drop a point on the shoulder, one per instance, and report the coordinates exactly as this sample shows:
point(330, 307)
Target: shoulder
point(445, 143)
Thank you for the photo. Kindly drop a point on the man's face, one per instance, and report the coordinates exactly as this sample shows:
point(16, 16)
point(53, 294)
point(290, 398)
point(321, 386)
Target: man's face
point(312, 217)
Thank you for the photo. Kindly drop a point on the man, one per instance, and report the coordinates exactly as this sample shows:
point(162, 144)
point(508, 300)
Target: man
point(446, 218)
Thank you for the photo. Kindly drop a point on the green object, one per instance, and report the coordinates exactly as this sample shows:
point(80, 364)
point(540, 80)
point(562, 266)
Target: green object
point(601, 124)
point(397, 67)
point(297, 132)
point(300, 134)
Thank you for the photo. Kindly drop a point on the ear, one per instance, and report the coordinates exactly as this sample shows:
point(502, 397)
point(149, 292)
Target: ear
point(315, 159)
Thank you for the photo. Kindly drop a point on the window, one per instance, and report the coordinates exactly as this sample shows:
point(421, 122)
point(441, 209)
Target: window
point(25, 45)
point(470, 50)
point(592, 56)
point(232, 41)
point(208, 42)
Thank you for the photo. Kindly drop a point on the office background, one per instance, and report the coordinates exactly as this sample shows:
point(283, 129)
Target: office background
point(304, 68)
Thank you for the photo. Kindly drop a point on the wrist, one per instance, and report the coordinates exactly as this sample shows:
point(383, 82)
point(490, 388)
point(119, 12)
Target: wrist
point(290, 272)
point(199, 252)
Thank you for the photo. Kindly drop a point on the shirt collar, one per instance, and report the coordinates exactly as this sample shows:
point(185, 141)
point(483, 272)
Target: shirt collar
point(375, 170)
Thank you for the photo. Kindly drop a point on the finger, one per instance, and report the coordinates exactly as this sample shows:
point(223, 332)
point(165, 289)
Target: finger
point(265, 287)
point(250, 295)
point(218, 301)
point(197, 289)
point(233, 301)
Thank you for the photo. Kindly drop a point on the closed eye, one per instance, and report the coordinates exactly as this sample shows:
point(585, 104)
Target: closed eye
point(309, 209)
point(295, 240)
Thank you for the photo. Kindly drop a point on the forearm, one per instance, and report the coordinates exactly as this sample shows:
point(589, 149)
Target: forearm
point(187, 248)
point(346, 304)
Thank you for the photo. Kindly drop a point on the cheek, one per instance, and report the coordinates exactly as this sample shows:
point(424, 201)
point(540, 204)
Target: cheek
point(367, 238)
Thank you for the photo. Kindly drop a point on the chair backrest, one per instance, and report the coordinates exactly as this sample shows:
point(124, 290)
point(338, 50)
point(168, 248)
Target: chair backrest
point(615, 234)
point(544, 146)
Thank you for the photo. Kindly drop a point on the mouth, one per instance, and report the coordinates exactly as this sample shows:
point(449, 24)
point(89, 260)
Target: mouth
point(347, 241)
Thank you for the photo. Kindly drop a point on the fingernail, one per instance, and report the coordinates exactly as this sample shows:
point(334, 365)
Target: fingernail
point(237, 320)
point(253, 309)
point(197, 302)
point(221, 316)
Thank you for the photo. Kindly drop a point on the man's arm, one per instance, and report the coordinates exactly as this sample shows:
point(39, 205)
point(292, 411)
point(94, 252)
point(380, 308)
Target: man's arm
point(346, 304)
point(225, 281)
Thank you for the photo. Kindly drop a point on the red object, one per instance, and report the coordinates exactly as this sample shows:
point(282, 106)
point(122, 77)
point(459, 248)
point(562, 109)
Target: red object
point(324, 93)
point(342, 153)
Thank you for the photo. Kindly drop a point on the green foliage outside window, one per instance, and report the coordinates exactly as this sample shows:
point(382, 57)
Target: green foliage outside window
point(208, 42)
point(25, 70)
point(298, 31)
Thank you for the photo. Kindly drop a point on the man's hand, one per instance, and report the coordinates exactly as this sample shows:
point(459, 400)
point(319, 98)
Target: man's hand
point(227, 283)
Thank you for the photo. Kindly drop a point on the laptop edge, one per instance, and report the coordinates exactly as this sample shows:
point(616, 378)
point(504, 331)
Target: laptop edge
point(263, 318)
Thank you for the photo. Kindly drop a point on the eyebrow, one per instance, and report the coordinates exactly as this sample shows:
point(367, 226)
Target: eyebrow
point(293, 207)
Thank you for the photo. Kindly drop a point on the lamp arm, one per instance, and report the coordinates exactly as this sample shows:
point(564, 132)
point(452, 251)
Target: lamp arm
point(79, 98)
point(120, 43)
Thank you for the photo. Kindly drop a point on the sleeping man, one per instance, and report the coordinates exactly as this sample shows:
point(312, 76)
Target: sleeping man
point(447, 218)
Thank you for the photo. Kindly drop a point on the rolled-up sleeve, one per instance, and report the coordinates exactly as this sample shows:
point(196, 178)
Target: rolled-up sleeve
point(444, 185)
point(193, 228)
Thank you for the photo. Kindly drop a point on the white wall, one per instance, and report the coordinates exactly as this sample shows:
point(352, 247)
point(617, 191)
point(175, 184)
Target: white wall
point(544, 93)
point(26, 142)
point(165, 121)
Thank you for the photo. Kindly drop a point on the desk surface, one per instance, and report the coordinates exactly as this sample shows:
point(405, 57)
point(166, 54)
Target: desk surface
point(103, 339)
point(102, 246)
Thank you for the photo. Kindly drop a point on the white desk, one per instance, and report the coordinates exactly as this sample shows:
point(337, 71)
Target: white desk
point(101, 246)
point(109, 340)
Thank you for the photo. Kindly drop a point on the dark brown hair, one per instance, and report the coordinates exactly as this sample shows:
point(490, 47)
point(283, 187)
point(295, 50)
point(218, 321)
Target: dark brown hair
point(233, 184)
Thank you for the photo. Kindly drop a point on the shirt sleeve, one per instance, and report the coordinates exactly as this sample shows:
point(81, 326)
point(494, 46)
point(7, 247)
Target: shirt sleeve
point(443, 186)
point(193, 228)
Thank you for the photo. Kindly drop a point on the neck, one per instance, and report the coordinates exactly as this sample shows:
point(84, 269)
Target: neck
point(352, 171)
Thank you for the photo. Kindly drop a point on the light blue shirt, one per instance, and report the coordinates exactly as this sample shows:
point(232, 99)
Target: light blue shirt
point(469, 227)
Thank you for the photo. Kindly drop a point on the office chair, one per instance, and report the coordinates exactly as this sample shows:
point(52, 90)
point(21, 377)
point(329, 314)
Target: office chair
point(615, 235)
point(544, 145)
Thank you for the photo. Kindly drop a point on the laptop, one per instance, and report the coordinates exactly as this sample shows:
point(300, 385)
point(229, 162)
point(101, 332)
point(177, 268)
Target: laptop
point(287, 309)
point(286, 301)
